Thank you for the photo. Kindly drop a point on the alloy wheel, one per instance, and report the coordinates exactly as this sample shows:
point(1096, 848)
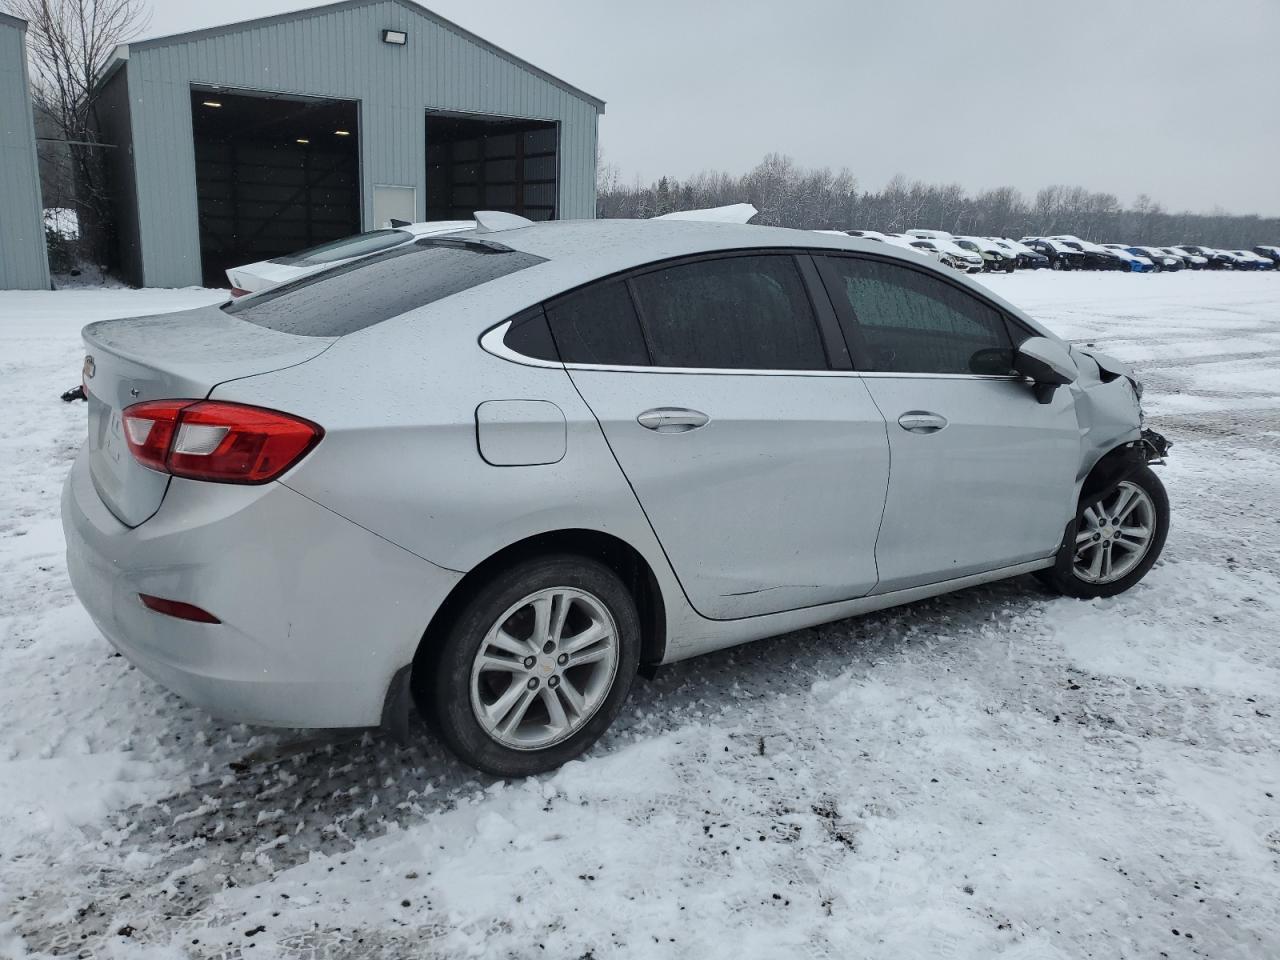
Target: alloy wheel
point(544, 668)
point(1114, 534)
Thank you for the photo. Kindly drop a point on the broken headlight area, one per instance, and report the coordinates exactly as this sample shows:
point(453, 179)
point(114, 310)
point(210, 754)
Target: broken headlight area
point(1155, 446)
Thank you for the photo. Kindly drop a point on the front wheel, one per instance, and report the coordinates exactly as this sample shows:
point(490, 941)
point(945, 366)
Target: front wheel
point(536, 666)
point(1114, 541)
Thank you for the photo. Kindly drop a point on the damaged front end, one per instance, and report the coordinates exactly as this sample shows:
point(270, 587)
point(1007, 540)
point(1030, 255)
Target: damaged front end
point(1157, 446)
point(1113, 429)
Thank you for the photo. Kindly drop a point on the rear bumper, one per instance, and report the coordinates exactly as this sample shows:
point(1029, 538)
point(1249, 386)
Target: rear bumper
point(317, 613)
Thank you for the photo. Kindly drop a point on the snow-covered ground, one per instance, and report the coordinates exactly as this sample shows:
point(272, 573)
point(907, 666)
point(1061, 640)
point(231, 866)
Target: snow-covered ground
point(998, 773)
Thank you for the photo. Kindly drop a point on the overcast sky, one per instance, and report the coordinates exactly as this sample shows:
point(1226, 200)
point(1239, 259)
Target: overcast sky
point(1177, 98)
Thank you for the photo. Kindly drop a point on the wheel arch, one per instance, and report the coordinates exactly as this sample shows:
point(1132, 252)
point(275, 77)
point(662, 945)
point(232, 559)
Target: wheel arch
point(1110, 469)
point(618, 555)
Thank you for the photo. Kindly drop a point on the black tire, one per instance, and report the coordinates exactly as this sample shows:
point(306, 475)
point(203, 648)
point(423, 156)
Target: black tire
point(444, 696)
point(1062, 578)
point(1055, 265)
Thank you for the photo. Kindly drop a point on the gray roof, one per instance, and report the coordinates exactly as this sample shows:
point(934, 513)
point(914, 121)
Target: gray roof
point(122, 52)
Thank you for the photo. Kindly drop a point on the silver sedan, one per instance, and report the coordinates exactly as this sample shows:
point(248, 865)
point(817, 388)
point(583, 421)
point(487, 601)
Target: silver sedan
point(495, 474)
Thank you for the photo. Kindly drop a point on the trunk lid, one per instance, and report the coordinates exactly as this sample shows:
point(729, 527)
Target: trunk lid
point(171, 356)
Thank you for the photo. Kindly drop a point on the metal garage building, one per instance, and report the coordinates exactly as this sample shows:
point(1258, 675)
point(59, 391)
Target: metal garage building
point(24, 262)
point(259, 138)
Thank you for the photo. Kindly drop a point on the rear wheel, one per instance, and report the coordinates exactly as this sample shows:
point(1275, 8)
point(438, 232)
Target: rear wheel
point(1115, 540)
point(536, 666)
point(1055, 264)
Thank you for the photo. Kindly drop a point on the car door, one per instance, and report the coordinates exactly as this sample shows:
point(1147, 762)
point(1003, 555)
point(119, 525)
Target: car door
point(758, 457)
point(982, 474)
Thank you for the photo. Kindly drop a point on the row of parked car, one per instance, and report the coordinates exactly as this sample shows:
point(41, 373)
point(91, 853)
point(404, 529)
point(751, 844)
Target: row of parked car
point(969, 254)
point(1065, 252)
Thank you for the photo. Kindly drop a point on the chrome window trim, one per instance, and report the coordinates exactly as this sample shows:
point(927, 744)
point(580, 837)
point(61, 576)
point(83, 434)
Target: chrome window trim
point(492, 342)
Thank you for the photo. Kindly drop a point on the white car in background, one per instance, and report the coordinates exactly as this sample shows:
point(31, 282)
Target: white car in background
point(961, 259)
point(930, 234)
point(265, 274)
point(916, 246)
point(866, 234)
point(993, 255)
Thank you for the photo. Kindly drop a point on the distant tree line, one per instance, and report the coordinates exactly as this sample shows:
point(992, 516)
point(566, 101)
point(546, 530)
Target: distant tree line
point(788, 195)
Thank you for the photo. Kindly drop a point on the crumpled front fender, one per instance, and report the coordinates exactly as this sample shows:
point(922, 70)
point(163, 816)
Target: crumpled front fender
point(1106, 396)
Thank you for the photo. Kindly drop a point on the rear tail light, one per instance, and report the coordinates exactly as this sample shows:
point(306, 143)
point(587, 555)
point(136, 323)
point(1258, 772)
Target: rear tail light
point(240, 292)
point(211, 440)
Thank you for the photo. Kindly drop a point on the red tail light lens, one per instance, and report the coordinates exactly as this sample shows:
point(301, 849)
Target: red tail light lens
point(211, 440)
point(239, 292)
point(148, 427)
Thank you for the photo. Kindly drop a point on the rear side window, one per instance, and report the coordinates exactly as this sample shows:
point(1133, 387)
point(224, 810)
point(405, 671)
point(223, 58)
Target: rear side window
point(598, 324)
point(360, 245)
point(745, 313)
point(529, 335)
point(906, 321)
point(357, 295)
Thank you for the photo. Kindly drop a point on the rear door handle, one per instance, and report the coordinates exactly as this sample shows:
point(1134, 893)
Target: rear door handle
point(922, 421)
point(672, 419)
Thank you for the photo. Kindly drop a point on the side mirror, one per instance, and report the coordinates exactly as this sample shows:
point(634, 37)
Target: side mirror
point(1047, 364)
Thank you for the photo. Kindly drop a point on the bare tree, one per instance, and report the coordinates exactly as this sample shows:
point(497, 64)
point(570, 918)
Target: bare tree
point(69, 43)
point(789, 195)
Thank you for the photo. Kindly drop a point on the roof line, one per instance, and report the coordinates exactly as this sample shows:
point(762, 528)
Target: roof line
point(13, 21)
point(324, 9)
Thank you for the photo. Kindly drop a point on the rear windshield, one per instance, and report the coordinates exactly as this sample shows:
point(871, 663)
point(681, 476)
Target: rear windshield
point(357, 295)
point(358, 246)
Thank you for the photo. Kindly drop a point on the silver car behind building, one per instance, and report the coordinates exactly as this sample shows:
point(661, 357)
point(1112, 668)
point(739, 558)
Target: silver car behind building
point(496, 473)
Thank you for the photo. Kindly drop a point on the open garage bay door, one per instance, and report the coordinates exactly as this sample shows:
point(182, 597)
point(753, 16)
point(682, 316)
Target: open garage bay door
point(491, 163)
point(273, 175)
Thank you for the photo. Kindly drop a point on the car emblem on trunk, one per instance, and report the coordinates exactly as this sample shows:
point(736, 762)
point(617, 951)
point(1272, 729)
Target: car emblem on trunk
point(89, 367)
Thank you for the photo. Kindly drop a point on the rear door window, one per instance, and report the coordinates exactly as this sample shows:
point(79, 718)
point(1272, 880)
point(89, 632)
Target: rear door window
point(740, 312)
point(357, 295)
point(901, 320)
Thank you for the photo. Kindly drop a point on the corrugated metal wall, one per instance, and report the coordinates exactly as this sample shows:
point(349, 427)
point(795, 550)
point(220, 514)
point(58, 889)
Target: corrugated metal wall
point(334, 53)
point(24, 263)
point(113, 121)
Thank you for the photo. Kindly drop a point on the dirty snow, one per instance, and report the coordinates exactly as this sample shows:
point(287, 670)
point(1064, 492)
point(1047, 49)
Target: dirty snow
point(998, 773)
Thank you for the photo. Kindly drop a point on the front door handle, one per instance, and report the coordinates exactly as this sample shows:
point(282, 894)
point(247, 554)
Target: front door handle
point(672, 419)
point(922, 421)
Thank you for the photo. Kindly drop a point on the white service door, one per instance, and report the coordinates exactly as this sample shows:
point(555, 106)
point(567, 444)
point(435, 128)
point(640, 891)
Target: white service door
point(393, 203)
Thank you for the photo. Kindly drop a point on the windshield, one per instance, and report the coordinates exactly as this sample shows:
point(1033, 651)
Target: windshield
point(357, 295)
